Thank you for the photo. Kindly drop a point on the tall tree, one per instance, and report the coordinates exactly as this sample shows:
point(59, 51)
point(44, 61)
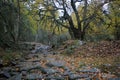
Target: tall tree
point(7, 19)
point(14, 22)
point(114, 17)
point(83, 18)
point(16, 26)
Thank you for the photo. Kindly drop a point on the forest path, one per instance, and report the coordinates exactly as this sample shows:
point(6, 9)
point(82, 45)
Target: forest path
point(57, 65)
point(53, 67)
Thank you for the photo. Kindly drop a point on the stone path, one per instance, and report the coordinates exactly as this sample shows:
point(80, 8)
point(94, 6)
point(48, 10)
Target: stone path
point(43, 66)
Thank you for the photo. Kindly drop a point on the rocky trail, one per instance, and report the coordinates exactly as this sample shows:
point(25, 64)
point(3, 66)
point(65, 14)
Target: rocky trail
point(52, 65)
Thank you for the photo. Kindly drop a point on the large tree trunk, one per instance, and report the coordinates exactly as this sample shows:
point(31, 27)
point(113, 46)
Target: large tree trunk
point(76, 34)
point(117, 32)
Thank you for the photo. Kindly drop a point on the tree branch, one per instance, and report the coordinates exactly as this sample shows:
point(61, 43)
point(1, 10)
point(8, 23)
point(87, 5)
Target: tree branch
point(76, 14)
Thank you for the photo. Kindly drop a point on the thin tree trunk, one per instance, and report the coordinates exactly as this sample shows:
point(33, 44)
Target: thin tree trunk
point(16, 28)
point(37, 34)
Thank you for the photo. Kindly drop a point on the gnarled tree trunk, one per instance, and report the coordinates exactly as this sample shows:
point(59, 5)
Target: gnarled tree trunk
point(76, 34)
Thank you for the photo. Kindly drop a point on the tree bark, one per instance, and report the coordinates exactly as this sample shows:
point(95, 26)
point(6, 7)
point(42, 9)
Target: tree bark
point(117, 32)
point(16, 27)
point(76, 34)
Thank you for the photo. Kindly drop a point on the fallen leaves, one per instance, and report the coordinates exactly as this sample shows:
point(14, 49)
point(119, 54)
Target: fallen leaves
point(90, 54)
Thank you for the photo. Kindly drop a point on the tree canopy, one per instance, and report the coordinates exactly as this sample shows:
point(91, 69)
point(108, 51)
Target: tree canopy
point(82, 19)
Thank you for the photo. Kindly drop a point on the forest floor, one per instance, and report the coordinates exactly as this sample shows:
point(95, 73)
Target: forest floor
point(71, 61)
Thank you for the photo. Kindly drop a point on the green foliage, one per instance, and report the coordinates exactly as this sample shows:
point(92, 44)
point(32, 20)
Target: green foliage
point(69, 50)
point(7, 57)
point(114, 18)
point(8, 17)
point(47, 37)
point(9, 21)
point(106, 25)
point(27, 29)
point(10, 55)
point(38, 24)
point(99, 37)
